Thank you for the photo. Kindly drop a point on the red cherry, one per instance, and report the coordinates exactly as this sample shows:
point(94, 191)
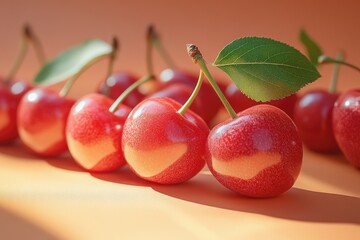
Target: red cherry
point(42, 116)
point(161, 145)
point(206, 94)
point(118, 83)
point(180, 93)
point(240, 101)
point(258, 154)
point(346, 125)
point(313, 117)
point(9, 100)
point(94, 133)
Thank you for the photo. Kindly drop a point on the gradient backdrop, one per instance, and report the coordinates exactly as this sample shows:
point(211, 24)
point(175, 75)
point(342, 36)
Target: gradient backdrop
point(209, 24)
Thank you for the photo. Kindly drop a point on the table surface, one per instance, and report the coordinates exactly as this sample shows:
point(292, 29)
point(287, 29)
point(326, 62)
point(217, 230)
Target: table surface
point(55, 199)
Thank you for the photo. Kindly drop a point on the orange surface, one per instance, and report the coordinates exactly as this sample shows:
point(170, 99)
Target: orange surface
point(55, 199)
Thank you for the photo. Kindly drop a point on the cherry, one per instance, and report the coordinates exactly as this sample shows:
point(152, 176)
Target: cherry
point(346, 125)
point(161, 145)
point(118, 83)
point(206, 94)
point(313, 117)
point(240, 101)
point(93, 133)
point(180, 93)
point(257, 154)
point(9, 100)
point(41, 120)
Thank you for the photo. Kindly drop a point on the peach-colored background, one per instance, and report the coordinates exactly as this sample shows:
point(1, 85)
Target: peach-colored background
point(54, 199)
point(209, 24)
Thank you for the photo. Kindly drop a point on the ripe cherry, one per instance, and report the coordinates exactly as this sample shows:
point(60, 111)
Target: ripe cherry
point(161, 145)
point(41, 119)
point(9, 100)
point(93, 133)
point(117, 83)
point(346, 125)
point(180, 93)
point(206, 94)
point(257, 154)
point(313, 117)
point(240, 101)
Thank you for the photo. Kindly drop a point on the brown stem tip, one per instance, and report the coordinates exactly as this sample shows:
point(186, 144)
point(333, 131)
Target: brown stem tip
point(27, 31)
point(193, 51)
point(115, 44)
point(151, 33)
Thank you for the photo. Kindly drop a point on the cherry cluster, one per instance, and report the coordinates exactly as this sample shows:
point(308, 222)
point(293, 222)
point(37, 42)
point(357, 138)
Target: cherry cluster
point(166, 135)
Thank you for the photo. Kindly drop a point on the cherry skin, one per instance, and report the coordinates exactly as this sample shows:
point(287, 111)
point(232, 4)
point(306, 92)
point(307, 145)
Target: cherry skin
point(42, 116)
point(163, 146)
point(93, 133)
point(346, 125)
point(9, 100)
point(313, 117)
point(206, 93)
point(118, 83)
point(180, 93)
point(258, 154)
point(239, 101)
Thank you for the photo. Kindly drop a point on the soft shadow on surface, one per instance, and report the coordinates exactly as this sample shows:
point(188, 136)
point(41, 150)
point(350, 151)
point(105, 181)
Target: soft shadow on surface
point(122, 176)
point(15, 227)
point(20, 152)
point(296, 204)
point(332, 169)
point(66, 163)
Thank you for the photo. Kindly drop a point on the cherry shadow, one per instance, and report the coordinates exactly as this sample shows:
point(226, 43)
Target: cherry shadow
point(123, 176)
point(21, 153)
point(296, 204)
point(65, 163)
point(329, 167)
point(15, 227)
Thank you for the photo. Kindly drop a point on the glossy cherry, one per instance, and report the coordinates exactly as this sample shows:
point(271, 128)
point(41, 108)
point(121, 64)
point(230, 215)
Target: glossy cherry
point(163, 146)
point(41, 119)
point(206, 94)
point(93, 133)
point(10, 96)
point(313, 117)
point(180, 93)
point(258, 154)
point(346, 125)
point(239, 101)
point(117, 84)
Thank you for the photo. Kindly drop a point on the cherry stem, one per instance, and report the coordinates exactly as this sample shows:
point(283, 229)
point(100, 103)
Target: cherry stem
point(149, 50)
point(20, 58)
point(39, 50)
point(68, 85)
point(27, 36)
point(195, 54)
point(327, 59)
point(193, 95)
point(113, 55)
point(333, 83)
point(131, 88)
point(154, 39)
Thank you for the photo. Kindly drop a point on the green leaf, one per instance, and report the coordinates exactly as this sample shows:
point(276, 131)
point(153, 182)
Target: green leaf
point(312, 48)
point(265, 69)
point(72, 61)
